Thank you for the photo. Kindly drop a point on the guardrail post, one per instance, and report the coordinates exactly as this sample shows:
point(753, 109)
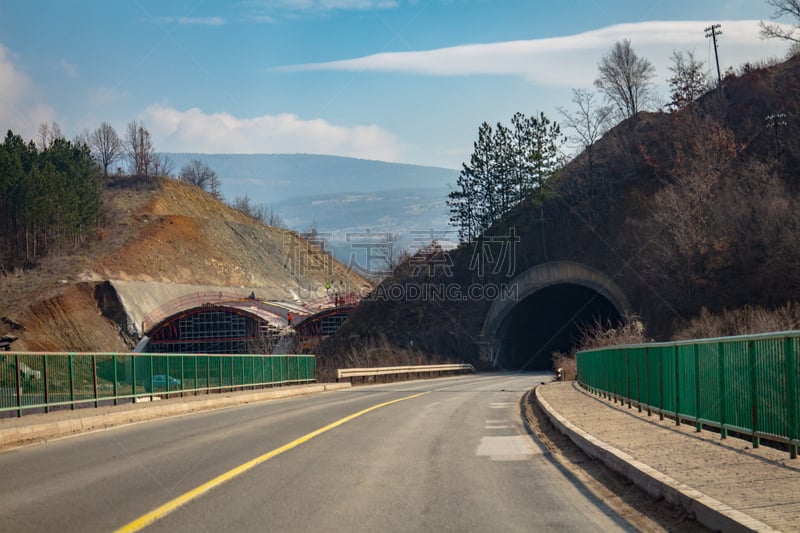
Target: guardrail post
point(208, 374)
point(697, 395)
point(790, 360)
point(46, 385)
point(71, 382)
point(723, 431)
point(94, 377)
point(661, 385)
point(114, 364)
point(751, 360)
point(19, 386)
point(647, 381)
point(628, 374)
point(638, 385)
point(677, 386)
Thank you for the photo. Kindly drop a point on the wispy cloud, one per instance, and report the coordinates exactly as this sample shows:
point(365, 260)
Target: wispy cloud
point(270, 11)
point(20, 108)
point(68, 68)
point(196, 131)
point(323, 5)
point(563, 61)
point(192, 21)
point(106, 95)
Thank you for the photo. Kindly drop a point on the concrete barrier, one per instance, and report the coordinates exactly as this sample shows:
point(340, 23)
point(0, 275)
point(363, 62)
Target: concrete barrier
point(41, 428)
point(346, 373)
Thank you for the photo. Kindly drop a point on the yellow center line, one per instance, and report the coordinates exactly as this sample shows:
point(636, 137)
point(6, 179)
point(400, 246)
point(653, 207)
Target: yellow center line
point(162, 511)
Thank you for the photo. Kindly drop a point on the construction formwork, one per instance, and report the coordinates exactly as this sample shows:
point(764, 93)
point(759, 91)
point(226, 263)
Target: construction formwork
point(214, 330)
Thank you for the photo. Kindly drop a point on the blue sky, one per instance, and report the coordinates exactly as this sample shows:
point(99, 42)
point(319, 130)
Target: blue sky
point(395, 80)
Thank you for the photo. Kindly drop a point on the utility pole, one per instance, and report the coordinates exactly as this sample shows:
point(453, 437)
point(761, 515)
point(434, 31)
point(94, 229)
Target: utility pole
point(776, 121)
point(712, 31)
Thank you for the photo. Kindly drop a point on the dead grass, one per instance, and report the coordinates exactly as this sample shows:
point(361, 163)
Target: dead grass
point(746, 320)
point(598, 335)
point(374, 353)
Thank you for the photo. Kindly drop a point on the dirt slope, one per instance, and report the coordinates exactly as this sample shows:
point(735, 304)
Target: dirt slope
point(166, 232)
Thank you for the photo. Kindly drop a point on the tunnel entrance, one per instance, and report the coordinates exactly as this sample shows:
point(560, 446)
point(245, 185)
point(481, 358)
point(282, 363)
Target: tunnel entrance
point(550, 320)
point(552, 302)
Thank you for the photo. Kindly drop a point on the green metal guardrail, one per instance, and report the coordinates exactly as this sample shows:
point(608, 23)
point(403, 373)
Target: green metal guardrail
point(36, 382)
point(748, 384)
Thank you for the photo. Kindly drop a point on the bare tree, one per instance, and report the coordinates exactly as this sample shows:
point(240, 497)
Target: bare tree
point(46, 134)
point(106, 145)
point(259, 213)
point(783, 8)
point(162, 165)
point(588, 123)
point(83, 138)
point(201, 175)
point(389, 250)
point(272, 218)
point(625, 78)
point(688, 81)
point(139, 149)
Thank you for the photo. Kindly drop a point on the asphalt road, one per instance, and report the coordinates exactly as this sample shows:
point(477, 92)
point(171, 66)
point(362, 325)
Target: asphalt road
point(456, 457)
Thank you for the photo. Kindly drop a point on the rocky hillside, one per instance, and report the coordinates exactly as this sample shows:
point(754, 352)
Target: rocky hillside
point(158, 232)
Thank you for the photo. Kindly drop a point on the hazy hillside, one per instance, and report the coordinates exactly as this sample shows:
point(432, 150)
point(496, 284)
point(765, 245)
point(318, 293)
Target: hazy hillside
point(273, 178)
point(339, 195)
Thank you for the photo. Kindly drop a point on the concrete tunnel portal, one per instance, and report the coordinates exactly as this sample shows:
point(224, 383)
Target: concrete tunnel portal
point(554, 302)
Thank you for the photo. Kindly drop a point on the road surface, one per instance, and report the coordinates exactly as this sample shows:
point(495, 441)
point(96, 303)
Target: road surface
point(439, 455)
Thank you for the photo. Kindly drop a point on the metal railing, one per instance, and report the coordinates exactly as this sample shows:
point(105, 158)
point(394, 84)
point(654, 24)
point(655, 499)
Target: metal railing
point(40, 382)
point(346, 373)
point(747, 384)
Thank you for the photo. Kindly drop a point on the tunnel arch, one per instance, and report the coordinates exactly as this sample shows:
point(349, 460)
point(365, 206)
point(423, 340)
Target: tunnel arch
point(557, 297)
point(215, 329)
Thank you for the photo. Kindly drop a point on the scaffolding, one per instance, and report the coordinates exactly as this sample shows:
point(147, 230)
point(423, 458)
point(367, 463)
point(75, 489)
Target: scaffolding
point(214, 330)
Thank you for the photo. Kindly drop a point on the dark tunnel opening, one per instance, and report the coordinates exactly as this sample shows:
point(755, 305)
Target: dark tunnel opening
point(550, 320)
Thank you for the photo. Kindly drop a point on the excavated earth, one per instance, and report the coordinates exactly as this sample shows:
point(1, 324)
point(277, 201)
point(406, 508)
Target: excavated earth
point(161, 240)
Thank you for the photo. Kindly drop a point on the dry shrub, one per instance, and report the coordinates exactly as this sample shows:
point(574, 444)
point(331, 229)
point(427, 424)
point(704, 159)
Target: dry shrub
point(746, 320)
point(374, 352)
point(601, 333)
point(598, 335)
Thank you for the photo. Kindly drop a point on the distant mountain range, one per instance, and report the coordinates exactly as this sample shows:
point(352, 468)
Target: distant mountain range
point(341, 196)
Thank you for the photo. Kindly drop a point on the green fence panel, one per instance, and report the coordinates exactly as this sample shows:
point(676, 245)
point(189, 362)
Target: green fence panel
point(36, 382)
point(736, 379)
point(687, 368)
point(748, 384)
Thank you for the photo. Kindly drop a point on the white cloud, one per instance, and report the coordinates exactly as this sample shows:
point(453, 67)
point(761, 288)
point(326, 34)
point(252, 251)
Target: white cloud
point(195, 131)
point(325, 5)
point(192, 21)
point(20, 109)
point(569, 61)
point(202, 21)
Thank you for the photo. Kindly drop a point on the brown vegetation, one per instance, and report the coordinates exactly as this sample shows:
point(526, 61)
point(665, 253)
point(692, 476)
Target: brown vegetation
point(686, 210)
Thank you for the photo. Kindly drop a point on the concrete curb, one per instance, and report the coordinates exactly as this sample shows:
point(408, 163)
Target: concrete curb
point(42, 432)
point(708, 511)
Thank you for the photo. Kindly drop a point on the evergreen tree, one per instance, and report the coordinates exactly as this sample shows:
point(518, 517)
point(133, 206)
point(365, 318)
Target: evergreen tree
point(506, 166)
point(48, 199)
